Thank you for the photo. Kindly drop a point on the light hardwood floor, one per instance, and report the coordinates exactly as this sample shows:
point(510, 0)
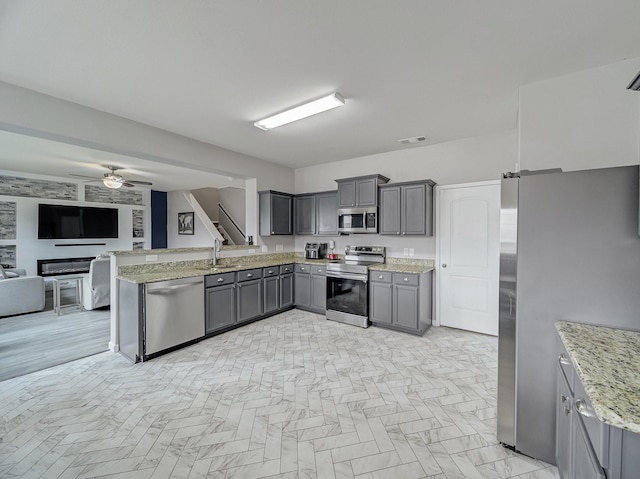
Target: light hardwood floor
point(31, 342)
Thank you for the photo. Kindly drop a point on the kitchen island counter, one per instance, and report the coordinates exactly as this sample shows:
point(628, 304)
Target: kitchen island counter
point(608, 365)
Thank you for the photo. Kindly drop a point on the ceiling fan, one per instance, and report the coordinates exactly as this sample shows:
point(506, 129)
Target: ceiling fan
point(113, 180)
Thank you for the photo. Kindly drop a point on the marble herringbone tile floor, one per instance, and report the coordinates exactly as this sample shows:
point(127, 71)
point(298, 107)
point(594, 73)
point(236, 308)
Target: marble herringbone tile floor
point(290, 396)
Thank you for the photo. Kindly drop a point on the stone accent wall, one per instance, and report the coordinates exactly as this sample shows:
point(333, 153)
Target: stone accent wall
point(137, 217)
point(122, 196)
point(28, 187)
point(7, 220)
point(8, 256)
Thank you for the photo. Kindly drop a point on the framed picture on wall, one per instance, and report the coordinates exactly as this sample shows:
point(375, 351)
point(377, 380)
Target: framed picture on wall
point(185, 223)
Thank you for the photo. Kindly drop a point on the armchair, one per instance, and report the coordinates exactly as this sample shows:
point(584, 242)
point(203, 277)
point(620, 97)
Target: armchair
point(96, 285)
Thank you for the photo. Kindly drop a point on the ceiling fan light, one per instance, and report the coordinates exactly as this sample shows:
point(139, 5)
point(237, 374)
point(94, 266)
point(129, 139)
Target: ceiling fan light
point(303, 111)
point(112, 183)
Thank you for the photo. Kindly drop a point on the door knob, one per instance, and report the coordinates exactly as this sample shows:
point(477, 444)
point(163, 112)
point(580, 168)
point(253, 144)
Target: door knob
point(444, 265)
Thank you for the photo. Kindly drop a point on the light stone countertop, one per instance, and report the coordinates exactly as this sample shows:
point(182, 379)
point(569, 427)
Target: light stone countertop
point(608, 365)
point(167, 271)
point(403, 268)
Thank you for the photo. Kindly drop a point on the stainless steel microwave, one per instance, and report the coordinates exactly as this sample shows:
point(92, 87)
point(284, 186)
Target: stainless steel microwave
point(358, 220)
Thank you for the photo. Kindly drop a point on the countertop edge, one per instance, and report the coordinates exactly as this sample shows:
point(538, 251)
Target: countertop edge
point(596, 389)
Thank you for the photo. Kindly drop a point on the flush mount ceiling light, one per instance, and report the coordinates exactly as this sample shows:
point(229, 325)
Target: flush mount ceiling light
point(303, 111)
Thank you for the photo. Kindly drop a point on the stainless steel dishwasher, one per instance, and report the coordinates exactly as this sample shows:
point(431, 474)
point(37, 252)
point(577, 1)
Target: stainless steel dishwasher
point(174, 313)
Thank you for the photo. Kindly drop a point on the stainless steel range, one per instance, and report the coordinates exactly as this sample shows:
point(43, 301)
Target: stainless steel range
point(347, 285)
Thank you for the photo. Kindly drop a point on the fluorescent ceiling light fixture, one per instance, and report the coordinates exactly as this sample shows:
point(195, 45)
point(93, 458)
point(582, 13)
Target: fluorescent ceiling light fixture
point(112, 182)
point(303, 111)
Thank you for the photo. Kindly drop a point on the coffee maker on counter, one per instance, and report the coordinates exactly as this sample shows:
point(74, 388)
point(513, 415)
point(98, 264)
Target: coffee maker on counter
point(315, 250)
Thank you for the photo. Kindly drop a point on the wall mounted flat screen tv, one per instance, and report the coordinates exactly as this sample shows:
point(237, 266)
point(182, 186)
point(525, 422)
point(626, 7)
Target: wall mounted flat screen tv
point(76, 222)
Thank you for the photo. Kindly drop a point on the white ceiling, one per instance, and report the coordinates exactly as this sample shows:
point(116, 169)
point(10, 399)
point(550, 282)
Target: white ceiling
point(25, 154)
point(446, 69)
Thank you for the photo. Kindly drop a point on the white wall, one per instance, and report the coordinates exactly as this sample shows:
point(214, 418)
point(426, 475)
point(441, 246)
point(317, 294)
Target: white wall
point(29, 249)
point(587, 119)
point(233, 199)
point(462, 161)
point(59, 120)
point(177, 203)
point(208, 199)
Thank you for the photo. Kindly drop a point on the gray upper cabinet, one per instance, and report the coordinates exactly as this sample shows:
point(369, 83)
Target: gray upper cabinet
point(276, 213)
point(407, 208)
point(359, 191)
point(327, 213)
point(316, 214)
point(389, 221)
point(305, 213)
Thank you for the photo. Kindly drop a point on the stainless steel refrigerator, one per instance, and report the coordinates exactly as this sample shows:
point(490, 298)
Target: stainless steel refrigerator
point(570, 250)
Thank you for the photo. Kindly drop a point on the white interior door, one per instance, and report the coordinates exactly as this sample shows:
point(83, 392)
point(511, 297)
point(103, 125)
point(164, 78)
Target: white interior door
point(469, 255)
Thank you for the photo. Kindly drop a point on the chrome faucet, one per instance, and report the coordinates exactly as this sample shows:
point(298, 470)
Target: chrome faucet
point(216, 248)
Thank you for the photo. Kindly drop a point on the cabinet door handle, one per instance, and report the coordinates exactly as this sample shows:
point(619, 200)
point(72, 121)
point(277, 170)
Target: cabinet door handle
point(582, 408)
point(444, 265)
point(220, 280)
point(319, 270)
point(249, 275)
point(380, 277)
point(302, 269)
point(270, 272)
point(404, 233)
point(562, 359)
point(273, 232)
point(566, 411)
point(406, 279)
point(563, 398)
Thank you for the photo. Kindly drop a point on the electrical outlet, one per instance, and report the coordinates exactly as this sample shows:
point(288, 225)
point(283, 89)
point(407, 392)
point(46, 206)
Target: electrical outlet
point(279, 247)
point(151, 257)
point(406, 251)
point(265, 248)
point(412, 252)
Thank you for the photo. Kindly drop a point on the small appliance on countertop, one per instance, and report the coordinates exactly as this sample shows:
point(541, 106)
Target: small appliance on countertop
point(315, 250)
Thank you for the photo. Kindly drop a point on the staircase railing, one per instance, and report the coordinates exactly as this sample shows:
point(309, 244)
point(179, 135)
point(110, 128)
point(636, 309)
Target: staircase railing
point(232, 228)
point(199, 211)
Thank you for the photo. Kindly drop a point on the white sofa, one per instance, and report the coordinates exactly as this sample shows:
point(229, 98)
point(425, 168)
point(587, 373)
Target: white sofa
point(20, 294)
point(96, 285)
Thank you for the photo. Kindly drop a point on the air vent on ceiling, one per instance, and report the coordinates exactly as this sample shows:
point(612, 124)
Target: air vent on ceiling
point(411, 141)
point(635, 83)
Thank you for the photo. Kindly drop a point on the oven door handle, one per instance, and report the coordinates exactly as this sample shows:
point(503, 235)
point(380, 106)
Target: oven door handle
point(355, 277)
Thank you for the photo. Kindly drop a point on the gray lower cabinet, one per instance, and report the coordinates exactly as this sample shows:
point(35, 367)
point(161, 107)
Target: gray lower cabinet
point(586, 447)
point(220, 301)
point(277, 288)
point(286, 291)
point(318, 289)
point(271, 294)
point(276, 213)
point(381, 301)
point(220, 307)
point(302, 289)
point(407, 208)
point(311, 288)
point(400, 301)
point(249, 294)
